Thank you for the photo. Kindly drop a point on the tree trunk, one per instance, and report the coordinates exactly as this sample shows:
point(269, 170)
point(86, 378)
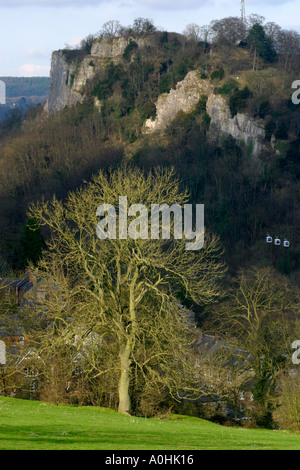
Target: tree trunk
point(254, 59)
point(124, 382)
point(125, 354)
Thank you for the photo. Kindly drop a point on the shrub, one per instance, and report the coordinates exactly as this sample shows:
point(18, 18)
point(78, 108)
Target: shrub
point(218, 74)
point(72, 55)
point(237, 101)
point(104, 88)
point(131, 46)
point(206, 121)
point(270, 128)
point(264, 109)
point(164, 85)
point(282, 131)
point(229, 86)
point(201, 105)
point(149, 110)
point(288, 413)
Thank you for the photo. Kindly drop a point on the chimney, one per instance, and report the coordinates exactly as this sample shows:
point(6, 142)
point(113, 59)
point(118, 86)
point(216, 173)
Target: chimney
point(31, 276)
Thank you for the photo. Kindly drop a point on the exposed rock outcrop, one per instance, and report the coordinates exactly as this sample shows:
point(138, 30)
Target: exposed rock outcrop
point(62, 93)
point(67, 80)
point(185, 97)
point(114, 47)
point(241, 127)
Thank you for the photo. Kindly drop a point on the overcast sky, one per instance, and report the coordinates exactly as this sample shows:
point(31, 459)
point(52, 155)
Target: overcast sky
point(32, 29)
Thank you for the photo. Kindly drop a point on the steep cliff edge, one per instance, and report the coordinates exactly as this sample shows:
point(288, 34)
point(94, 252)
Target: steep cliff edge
point(70, 74)
point(241, 127)
point(61, 93)
point(185, 97)
point(68, 78)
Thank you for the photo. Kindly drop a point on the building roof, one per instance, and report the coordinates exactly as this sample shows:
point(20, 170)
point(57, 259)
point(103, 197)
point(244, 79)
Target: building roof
point(21, 283)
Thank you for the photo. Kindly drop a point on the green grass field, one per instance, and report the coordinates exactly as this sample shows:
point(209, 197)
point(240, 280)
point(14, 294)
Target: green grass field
point(29, 425)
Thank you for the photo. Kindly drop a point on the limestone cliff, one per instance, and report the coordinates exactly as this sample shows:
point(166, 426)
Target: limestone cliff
point(68, 79)
point(185, 97)
point(241, 127)
point(61, 93)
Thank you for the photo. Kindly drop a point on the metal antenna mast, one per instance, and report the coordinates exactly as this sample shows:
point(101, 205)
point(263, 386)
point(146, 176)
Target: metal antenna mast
point(243, 11)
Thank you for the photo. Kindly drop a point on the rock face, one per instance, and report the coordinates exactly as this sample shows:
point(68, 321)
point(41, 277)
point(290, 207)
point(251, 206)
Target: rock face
point(67, 80)
point(60, 93)
point(113, 47)
point(241, 127)
point(183, 98)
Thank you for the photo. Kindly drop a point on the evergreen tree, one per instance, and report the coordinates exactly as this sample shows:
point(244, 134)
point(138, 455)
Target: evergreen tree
point(262, 45)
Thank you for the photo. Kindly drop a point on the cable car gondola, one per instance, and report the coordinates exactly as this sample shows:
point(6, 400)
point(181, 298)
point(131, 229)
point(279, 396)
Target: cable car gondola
point(277, 241)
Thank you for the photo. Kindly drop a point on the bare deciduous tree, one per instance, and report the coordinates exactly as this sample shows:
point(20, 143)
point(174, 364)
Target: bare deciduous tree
point(255, 19)
point(288, 47)
point(260, 314)
point(193, 32)
point(110, 29)
point(228, 31)
point(125, 290)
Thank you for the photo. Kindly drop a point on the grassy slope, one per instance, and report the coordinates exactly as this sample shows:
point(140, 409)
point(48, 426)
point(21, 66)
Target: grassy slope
point(42, 426)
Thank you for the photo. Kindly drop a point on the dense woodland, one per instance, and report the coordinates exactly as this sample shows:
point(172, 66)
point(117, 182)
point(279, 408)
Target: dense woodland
point(26, 86)
point(245, 198)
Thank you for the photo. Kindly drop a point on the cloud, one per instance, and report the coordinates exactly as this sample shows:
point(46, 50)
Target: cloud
point(269, 2)
point(154, 5)
point(50, 3)
point(32, 70)
point(174, 5)
point(36, 53)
